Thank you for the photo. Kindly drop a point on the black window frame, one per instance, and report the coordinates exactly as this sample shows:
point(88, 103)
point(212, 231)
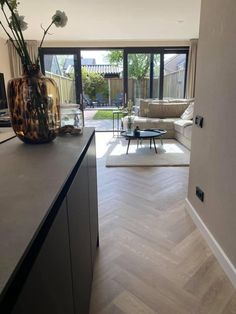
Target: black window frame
point(76, 51)
point(152, 51)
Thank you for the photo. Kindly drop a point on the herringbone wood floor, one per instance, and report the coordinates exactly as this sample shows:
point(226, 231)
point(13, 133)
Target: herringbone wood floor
point(152, 259)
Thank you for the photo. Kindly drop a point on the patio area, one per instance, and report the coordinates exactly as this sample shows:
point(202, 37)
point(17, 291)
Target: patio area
point(91, 120)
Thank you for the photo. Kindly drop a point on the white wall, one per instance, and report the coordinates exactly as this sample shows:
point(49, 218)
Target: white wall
point(213, 159)
point(4, 60)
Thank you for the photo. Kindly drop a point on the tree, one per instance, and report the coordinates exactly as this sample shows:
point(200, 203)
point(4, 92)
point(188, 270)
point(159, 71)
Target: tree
point(139, 66)
point(138, 63)
point(93, 84)
point(115, 57)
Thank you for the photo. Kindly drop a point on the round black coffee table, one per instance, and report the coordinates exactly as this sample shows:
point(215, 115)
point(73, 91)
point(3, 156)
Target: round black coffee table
point(143, 135)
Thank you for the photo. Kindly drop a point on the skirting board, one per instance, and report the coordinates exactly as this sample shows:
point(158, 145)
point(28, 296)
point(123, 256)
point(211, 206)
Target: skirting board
point(220, 255)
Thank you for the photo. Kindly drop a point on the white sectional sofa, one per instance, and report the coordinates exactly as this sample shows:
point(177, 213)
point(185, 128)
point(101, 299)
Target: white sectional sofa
point(173, 116)
point(183, 131)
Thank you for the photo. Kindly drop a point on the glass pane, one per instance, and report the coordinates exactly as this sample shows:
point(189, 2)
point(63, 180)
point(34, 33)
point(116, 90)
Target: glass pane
point(102, 83)
point(174, 75)
point(62, 69)
point(156, 76)
point(138, 76)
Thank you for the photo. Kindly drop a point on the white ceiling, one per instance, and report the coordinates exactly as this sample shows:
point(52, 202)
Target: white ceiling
point(114, 19)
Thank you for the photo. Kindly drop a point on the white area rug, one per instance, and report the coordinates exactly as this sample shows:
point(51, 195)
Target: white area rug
point(172, 153)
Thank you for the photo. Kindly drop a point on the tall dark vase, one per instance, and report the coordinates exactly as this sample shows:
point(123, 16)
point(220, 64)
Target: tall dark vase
point(34, 106)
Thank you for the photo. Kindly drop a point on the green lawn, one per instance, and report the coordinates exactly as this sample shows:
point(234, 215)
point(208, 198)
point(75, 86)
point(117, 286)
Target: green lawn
point(103, 114)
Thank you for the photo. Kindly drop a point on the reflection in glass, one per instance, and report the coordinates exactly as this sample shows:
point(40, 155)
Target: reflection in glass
point(138, 76)
point(174, 75)
point(156, 76)
point(61, 68)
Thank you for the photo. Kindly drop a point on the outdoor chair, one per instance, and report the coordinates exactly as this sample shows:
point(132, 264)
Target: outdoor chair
point(100, 99)
point(118, 102)
point(87, 102)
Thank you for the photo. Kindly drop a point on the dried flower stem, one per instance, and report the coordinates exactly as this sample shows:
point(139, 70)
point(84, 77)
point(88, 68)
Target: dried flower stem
point(12, 41)
point(45, 33)
point(19, 34)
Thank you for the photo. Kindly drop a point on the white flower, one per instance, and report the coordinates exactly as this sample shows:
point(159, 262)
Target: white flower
point(21, 22)
point(13, 4)
point(60, 19)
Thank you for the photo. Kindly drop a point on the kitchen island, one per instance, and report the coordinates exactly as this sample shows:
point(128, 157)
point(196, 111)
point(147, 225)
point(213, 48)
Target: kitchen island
point(48, 225)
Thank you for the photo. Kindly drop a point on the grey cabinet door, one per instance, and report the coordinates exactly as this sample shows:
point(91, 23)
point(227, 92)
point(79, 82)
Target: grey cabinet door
point(48, 287)
point(79, 230)
point(93, 198)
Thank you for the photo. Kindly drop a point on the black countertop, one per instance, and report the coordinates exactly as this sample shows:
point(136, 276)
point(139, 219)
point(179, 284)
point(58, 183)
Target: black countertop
point(32, 178)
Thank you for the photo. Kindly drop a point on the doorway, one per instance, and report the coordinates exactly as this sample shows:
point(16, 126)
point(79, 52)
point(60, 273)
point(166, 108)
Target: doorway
point(102, 86)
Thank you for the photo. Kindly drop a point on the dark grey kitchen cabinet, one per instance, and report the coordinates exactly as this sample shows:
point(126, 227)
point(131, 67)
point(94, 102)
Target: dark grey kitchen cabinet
point(80, 238)
point(93, 199)
point(48, 287)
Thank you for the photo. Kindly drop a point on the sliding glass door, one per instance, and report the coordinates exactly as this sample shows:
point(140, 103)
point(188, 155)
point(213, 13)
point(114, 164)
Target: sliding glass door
point(62, 66)
point(138, 76)
point(102, 80)
point(175, 66)
point(102, 86)
point(156, 73)
point(143, 72)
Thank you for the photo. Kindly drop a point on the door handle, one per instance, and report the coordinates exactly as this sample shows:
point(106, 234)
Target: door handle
point(125, 99)
point(81, 101)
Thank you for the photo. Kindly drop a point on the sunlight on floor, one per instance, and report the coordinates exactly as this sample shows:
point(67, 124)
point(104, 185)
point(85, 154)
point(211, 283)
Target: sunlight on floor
point(120, 147)
point(104, 140)
point(112, 150)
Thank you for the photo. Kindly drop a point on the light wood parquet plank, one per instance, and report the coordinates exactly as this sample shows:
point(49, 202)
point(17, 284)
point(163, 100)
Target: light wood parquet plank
point(129, 303)
point(149, 274)
point(152, 259)
point(231, 306)
point(217, 297)
point(111, 309)
point(158, 302)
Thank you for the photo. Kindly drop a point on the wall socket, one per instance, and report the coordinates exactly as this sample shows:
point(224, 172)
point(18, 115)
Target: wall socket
point(199, 121)
point(200, 193)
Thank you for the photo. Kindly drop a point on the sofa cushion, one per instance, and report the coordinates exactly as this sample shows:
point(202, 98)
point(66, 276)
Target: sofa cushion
point(188, 113)
point(159, 101)
point(152, 123)
point(180, 125)
point(185, 100)
point(167, 123)
point(146, 123)
point(143, 109)
point(141, 120)
point(167, 110)
point(188, 131)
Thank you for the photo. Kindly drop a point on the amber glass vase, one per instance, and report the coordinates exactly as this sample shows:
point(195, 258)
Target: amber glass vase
point(34, 106)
